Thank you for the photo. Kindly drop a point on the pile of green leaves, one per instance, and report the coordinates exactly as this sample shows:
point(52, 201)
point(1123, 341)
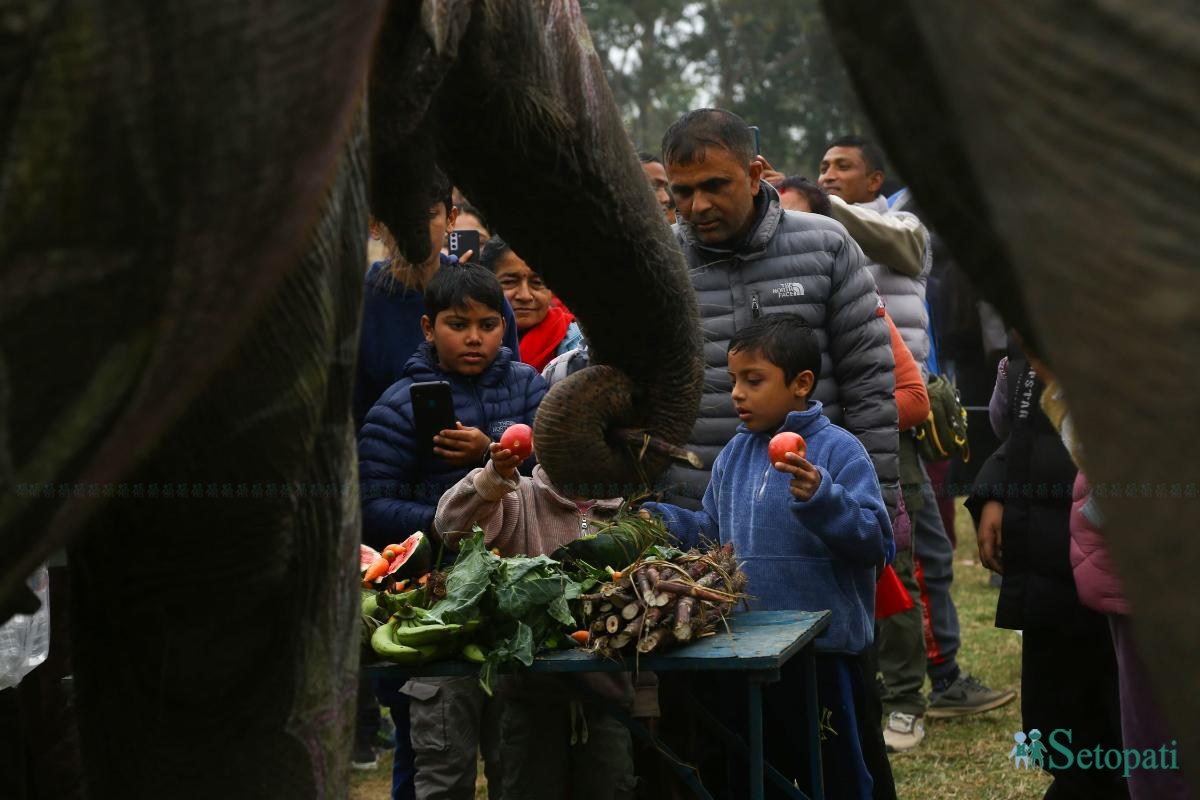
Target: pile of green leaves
point(522, 604)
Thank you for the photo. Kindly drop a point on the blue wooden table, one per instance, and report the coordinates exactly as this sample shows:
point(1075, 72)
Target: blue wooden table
point(757, 644)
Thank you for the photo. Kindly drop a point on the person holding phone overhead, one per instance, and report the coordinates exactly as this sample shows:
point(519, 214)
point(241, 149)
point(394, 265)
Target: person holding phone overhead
point(546, 330)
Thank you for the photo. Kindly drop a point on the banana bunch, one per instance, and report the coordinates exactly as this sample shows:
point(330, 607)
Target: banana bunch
point(408, 638)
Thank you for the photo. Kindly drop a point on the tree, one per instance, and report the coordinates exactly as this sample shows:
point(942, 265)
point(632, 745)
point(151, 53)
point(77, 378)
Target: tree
point(771, 63)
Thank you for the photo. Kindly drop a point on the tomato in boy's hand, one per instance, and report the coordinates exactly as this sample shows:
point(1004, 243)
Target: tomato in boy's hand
point(518, 440)
point(784, 443)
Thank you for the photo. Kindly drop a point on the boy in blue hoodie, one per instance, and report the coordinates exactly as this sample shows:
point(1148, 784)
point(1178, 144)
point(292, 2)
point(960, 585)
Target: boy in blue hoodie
point(402, 480)
point(811, 532)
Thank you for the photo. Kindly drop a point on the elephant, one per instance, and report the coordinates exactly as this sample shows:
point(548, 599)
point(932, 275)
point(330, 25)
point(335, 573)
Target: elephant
point(185, 196)
point(1046, 140)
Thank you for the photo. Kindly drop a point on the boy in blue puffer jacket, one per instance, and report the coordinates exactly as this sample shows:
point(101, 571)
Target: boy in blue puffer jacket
point(402, 479)
point(811, 532)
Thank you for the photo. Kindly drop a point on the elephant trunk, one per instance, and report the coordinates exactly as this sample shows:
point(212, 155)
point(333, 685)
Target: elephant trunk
point(544, 154)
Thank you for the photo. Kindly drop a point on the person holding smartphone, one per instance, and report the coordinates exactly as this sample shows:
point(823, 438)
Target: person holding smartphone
point(458, 393)
point(392, 306)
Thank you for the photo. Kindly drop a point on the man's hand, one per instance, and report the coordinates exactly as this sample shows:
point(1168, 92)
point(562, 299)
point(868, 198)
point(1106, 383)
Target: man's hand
point(991, 553)
point(504, 462)
point(806, 478)
point(462, 447)
point(769, 173)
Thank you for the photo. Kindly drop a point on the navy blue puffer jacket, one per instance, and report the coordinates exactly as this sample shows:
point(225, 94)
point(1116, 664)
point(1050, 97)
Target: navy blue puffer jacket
point(402, 481)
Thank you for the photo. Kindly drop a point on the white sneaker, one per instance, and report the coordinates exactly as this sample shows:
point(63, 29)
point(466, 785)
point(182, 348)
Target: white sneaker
point(903, 732)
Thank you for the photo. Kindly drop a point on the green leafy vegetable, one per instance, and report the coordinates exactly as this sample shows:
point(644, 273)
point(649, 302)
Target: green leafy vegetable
point(522, 602)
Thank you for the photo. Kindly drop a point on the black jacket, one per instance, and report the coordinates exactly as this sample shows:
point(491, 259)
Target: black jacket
point(1032, 474)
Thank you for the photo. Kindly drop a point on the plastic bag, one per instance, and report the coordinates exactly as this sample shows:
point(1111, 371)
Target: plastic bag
point(25, 640)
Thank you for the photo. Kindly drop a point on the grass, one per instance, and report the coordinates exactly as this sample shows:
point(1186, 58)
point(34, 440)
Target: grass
point(963, 758)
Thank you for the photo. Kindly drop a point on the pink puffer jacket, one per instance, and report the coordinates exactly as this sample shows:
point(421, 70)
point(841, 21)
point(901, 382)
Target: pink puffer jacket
point(1095, 576)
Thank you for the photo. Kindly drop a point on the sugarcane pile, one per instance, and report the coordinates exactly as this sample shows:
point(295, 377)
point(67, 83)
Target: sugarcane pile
point(661, 600)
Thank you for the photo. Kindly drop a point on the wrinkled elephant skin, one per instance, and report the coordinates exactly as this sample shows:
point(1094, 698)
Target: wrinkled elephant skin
point(1054, 148)
point(184, 201)
point(181, 255)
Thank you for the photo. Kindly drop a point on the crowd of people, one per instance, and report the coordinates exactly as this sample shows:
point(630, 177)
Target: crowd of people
point(815, 300)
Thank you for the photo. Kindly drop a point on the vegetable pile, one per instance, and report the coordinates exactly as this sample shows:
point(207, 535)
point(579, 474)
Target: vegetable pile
point(664, 599)
point(501, 611)
point(488, 609)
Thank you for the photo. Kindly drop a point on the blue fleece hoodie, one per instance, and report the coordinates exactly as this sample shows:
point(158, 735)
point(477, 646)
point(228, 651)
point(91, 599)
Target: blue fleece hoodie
point(810, 555)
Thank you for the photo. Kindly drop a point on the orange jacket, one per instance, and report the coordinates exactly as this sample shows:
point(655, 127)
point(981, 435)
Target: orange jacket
point(912, 401)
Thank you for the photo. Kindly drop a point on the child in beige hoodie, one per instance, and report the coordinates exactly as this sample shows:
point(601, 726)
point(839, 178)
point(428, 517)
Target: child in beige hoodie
point(518, 515)
point(574, 736)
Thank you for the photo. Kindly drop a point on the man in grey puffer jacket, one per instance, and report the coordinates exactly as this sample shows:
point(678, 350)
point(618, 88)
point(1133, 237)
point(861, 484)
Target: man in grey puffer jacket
point(748, 257)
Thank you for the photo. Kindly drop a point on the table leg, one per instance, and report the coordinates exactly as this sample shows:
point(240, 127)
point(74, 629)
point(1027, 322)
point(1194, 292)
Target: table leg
point(812, 703)
point(756, 741)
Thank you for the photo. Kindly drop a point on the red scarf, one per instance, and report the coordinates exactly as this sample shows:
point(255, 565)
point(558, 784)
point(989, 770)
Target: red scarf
point(539, 343)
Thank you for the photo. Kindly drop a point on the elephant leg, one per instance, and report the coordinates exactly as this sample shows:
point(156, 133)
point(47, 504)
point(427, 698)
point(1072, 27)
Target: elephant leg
point(215, 601)
point(1019, 126)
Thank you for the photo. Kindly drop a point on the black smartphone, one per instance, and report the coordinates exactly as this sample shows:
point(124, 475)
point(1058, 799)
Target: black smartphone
point(459, 242)
point(433, 411)
point(757, 140)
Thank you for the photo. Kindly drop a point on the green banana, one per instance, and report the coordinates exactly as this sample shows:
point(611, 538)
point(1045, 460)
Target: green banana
point(403, 602)
point(413, 635)
point(474, 653)
point(384, 644)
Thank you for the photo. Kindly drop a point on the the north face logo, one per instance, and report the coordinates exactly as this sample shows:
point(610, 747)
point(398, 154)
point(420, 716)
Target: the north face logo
point(788, 290)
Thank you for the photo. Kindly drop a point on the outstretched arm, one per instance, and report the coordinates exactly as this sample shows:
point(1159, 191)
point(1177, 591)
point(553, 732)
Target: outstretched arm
point(487, 499)
point(898, 241)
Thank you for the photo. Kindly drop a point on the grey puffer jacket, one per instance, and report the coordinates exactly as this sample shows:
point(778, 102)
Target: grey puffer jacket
point(904, 293)
point(809, 265)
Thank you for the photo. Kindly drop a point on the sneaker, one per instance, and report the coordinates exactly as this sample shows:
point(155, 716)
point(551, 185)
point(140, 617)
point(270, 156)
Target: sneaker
point(363, 757)
point(903, 732)
point(966, 695)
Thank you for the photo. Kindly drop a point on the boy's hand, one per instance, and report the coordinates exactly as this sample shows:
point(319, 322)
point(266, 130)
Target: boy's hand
point(461, 447)
point(991, 553)
point(504, 461)
point(806, 478)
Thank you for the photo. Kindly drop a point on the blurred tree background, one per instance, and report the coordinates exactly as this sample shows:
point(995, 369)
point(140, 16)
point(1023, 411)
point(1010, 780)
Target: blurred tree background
point(770, 62)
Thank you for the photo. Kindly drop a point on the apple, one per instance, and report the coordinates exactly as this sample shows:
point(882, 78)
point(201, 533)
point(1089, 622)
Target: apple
point(518, 440)
point(784, 443)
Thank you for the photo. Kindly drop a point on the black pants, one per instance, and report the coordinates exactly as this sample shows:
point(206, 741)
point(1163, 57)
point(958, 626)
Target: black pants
point(1069, 681)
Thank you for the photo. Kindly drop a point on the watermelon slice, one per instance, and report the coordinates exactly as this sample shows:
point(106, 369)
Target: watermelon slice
point(366, 557)
point(414, 558)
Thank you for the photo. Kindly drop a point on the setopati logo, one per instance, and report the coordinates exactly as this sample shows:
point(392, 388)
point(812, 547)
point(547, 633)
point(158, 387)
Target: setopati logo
point(1056, 752)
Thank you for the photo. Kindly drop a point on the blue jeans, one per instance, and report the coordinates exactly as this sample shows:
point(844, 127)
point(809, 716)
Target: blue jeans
point(935, 573)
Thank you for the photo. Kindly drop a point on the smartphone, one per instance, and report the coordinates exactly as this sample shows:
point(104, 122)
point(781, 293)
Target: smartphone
point(757, 140)
point(433, 411)
point(459, 242)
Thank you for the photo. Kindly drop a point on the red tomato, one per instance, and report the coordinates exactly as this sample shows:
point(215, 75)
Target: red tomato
point(518, 440)
point(784, 443)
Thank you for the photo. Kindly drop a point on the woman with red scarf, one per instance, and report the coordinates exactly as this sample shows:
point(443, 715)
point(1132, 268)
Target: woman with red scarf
point(545, 329)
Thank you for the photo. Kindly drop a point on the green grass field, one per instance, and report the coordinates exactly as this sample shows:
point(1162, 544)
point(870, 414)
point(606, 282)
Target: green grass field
point(964, 758)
